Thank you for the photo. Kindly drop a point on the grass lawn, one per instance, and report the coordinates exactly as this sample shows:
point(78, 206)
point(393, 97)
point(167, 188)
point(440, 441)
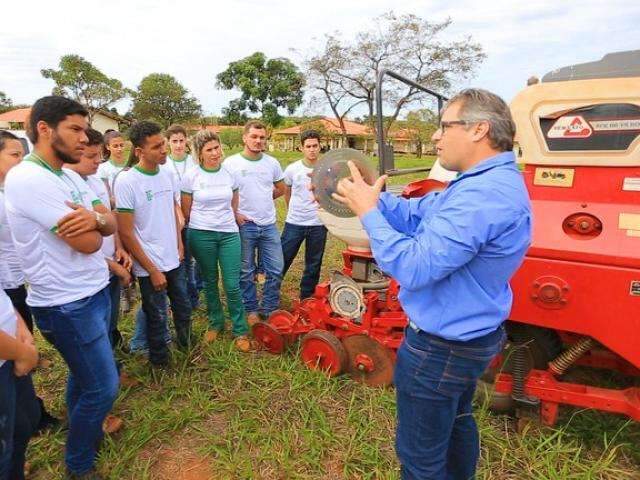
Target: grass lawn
point(221, 414)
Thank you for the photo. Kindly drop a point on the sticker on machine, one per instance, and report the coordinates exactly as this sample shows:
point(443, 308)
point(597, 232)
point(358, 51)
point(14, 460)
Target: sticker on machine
point(570, 126)
point(631, 184)
point(634, 290)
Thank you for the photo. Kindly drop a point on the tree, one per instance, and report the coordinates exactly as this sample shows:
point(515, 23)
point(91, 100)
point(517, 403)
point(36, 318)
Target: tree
point(160, 97)
point(6, 103)
point(420, 126)
point(80, 80)
point(231, 137)
point(266, 86)
point(232, 115)
point(345, 73)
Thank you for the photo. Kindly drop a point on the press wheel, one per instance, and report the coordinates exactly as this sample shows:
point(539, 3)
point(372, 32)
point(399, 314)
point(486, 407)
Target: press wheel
point(321, 350)
point(269, 337)
point(368, 361)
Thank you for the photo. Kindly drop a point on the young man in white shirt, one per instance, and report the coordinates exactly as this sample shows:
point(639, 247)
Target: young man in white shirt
point(302, 223)
point(179, 162)
point(58, 226)
point(149, 228)
point(260, 182)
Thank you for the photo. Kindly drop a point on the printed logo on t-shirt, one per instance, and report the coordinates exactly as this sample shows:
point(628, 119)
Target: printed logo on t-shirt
point(149, 195)
point(244, 172)
point(76, 197)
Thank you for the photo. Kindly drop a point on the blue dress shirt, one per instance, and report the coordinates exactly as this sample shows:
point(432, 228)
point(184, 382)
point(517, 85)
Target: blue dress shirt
point(454, 252)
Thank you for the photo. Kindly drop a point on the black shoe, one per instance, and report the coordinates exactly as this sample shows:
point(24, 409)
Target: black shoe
point(47, 421)
point(90, 475)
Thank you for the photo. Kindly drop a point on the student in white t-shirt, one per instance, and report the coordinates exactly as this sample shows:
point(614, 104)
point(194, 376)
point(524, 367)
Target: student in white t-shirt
point(209, 204)
point(259, 177)
point(149, 228)
point(117, 259)
point(302, 223)
point(58, 226)
point(22, 410)
point(179, 163)
point(114, 161)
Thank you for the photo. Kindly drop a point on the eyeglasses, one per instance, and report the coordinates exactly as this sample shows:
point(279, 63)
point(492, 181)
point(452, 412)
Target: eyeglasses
point(444, 125)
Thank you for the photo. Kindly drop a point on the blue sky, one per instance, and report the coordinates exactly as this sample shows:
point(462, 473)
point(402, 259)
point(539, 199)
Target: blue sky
point(195, 40)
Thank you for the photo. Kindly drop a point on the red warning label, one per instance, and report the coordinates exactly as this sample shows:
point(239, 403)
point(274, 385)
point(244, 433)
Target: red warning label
point(570, 126)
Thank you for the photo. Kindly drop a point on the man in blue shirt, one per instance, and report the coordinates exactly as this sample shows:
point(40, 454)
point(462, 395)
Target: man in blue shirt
point(453, 254)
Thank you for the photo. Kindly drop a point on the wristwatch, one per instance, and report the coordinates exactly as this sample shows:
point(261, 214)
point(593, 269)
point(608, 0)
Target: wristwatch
point(101, 219)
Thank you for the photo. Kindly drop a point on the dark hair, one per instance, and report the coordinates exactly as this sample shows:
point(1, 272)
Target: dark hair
point(108, 136)
point(52, 110)
point(253, 124)
point(4, 136)
point(174, 130)
point(94, 136)
point(138, 134)
point(307, 134)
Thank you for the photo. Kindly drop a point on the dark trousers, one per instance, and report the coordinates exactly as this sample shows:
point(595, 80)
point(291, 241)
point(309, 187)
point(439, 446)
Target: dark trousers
point(19, 418)
point(152, 303)
point(315, 238)
point(115, 337)
point(192, 272)
point(437, 437)
point(18, 298)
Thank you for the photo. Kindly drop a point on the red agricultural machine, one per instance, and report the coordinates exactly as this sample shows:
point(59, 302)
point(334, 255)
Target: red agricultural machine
point(577, 294)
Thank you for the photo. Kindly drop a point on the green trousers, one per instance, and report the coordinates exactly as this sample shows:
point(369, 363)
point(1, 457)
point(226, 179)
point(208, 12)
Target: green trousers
point(211, 249)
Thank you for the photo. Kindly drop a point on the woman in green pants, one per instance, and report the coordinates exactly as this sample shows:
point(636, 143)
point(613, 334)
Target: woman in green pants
point(209, 202)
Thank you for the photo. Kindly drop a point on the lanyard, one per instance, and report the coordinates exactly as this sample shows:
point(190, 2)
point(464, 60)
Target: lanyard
point(63, 177)
point(175, 167)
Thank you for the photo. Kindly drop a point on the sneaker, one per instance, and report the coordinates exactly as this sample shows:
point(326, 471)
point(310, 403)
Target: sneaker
point(253, 318)
point(245, 345)
point(90, 475)
point(111, 424)
point(211, 336)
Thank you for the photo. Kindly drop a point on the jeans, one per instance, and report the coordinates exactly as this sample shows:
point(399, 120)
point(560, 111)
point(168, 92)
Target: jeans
point(19, 418)
point(194, 281)
point(139, 342)
point(315, 238)
point(79, 331)
point(211, 249)
point(266, 240)
point(154, 304)
point(437, 437)
point(114, 315)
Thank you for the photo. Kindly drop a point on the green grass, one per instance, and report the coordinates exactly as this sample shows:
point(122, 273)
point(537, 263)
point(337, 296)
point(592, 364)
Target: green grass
point(263, 416)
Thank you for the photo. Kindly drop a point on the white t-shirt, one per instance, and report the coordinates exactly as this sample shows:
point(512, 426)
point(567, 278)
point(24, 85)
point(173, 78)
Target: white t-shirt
point(211, 192)
point(255, 179)
point(35, 198)
point(150, 197)
point(108, 171)
point(178, 169)
point(11, 275)
point(97, 185)
point(8, 318)
point(303, 209)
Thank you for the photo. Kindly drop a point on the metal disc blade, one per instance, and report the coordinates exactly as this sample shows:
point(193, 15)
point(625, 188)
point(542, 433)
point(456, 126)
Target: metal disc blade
point(332, 168)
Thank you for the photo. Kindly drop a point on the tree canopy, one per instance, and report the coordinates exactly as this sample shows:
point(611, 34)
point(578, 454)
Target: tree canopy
point(266, 85)
point(80, 80)
point(161, 98)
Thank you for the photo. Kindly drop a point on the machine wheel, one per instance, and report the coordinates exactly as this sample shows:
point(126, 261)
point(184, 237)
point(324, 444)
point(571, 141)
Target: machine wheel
point(368, 361)
point(269, 337)
point(543, 345)
point(321, 350)
point(281, 319)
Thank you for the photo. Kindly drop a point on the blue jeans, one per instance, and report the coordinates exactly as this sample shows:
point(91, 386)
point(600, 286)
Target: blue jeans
point(194, 280)
point(315, 238)
point(437, 437)
point(139, 341)
point(154, 304)
point(266, 240)
point(78, 330)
